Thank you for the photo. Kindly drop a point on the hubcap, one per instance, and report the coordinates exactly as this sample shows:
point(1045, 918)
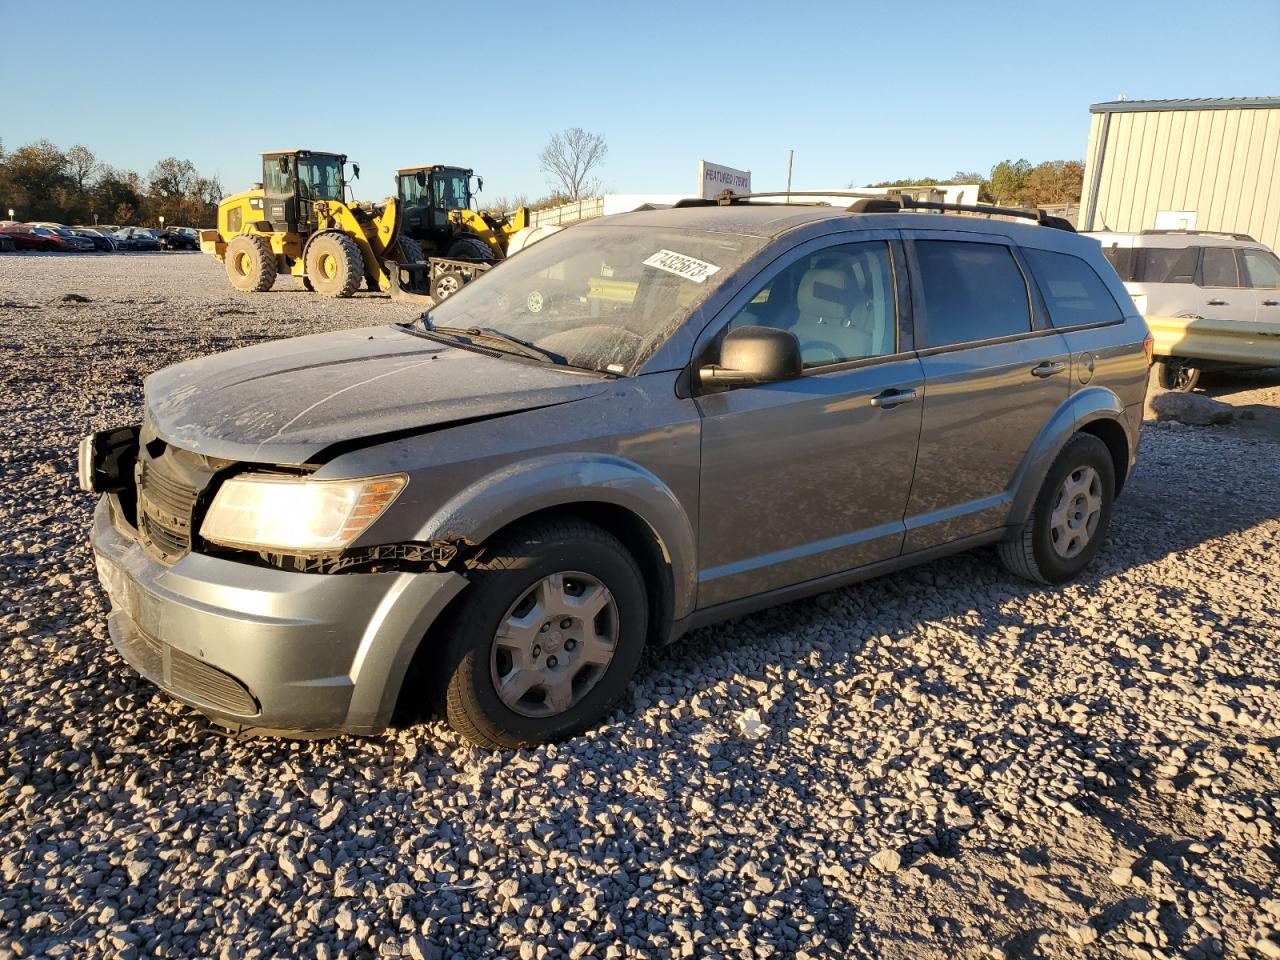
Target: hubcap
point(554, 644)
point(242, 264)
point(1075, 512)
point(447, 287)
point(328, 266)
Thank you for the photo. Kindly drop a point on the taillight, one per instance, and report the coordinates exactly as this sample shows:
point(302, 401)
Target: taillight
point(1149, 347)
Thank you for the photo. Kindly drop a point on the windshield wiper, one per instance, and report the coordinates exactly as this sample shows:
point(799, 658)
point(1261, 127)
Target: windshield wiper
point(522, 347)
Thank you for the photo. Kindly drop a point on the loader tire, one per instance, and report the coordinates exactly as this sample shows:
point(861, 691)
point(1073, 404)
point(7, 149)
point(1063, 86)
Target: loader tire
point(470, 248)
point(334, 265)
point(410, 250)
point(251, 264)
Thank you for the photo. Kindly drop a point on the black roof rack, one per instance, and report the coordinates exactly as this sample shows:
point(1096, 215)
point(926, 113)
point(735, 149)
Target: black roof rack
point(1200, 233)
point(887, 204)
point(882, 203)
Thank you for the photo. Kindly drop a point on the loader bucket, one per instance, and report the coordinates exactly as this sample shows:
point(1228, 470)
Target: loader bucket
point(410, 282)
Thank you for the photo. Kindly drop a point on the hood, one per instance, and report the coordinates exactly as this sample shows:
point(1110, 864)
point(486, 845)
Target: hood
point(287, 401)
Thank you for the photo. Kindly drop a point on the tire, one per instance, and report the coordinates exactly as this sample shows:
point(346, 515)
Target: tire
point(445, 284)
point(333, 264)
point(1177, 375)
point(410, 250)
point(505, 579)
point(470, 248)
point(251, 265)
point(1045, 549)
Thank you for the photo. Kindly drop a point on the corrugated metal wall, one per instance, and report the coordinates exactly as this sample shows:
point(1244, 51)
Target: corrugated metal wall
point(1224, 164)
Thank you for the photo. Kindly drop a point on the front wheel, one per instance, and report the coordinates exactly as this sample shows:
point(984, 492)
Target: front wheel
point(334, 264)
point(1177, 375)
point(546, 637)
point(1070, 518)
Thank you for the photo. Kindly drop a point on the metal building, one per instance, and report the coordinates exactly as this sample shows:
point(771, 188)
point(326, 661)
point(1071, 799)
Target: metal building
point(1185, 164)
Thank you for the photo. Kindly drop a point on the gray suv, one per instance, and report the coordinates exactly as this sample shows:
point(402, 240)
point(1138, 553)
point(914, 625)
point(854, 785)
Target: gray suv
point(638, 426)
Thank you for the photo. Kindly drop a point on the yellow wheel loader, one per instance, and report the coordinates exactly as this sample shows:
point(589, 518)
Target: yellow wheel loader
point(449, 243)
point(298, 221)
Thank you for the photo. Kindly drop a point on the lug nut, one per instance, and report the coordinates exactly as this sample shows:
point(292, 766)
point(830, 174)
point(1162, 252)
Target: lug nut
point(570, 643)
point(566, 623)
point(537, 650)
point(545, 627)
point(551, 661)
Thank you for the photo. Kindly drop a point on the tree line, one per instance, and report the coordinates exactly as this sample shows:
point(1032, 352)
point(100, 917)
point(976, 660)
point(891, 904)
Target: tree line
point(40, 181)
point(1016, 182)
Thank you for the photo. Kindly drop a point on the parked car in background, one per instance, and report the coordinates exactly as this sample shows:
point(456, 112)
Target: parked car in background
point(48, 239)
point(6, 243)
point(180, 238)
point(1195, 274)
point(100, 241)
point(25, 237)
point(635, 427)
point(139, 238)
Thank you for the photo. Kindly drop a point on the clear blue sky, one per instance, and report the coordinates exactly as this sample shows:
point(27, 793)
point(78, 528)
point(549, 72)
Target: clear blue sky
point(861, 91)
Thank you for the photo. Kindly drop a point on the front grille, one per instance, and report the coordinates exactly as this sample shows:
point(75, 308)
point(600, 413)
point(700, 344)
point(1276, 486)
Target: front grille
point(170, 483)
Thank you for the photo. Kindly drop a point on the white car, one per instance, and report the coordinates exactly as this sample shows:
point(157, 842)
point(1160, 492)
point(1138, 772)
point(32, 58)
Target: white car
point(1189, 273)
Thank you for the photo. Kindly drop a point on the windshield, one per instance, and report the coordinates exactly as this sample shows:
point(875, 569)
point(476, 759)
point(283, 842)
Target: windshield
point(320, 178)
point(601, 296)
point(450, 190)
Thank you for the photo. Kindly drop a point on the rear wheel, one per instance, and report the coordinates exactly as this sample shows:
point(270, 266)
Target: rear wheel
point(1177, 374)
point(334, 265)
point(251, 264)
point(1070, 518)
point(546, 636)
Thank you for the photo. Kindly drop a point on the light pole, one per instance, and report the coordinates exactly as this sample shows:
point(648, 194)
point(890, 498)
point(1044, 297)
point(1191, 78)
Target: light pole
point(11, 213)
point(162, 223)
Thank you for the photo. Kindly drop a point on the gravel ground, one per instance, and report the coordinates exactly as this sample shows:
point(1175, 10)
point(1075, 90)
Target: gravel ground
point(949, 762)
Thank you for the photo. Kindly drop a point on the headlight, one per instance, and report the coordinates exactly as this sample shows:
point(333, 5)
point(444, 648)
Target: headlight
point(297, 515)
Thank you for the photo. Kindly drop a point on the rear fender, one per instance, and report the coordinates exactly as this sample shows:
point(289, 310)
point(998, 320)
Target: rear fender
point(563, 480)
point(1084, 406)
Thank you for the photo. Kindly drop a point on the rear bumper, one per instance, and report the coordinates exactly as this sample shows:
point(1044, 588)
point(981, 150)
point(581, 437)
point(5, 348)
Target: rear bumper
point(253, 647)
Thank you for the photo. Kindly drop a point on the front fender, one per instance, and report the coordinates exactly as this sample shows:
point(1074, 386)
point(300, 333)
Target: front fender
point(507, 495)
point(1085, 405)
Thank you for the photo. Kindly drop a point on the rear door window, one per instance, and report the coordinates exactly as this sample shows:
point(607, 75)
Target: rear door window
point(972, 291)
point(1073, 292)
point(1219, 268)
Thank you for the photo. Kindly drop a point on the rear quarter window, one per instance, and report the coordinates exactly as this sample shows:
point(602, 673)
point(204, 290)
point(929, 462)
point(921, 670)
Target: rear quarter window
point(972, 291)
point(1072, 290)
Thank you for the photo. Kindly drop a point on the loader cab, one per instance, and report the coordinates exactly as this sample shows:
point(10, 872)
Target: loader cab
point(293, 180)
point(427, 195)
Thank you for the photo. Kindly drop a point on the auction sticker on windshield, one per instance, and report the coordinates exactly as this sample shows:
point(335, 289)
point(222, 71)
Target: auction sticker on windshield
point(682, 266)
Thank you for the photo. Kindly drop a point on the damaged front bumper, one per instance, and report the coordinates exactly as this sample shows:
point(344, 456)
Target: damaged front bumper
point(267, 649)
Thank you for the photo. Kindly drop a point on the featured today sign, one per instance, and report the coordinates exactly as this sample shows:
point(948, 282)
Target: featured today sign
point(715, 179)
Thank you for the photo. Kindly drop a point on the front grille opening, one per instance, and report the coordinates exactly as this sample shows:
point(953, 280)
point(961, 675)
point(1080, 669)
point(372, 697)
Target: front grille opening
point(171, 487)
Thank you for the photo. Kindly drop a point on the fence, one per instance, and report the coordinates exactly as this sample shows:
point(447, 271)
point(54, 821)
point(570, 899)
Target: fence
point(568, 213)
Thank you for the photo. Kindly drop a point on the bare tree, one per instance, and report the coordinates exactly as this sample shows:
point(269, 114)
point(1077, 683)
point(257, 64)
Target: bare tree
point(81, 165)
point(570, 157)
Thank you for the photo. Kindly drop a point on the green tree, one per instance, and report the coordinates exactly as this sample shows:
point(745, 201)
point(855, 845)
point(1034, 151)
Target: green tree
point(1009, 181)
point(33, 175)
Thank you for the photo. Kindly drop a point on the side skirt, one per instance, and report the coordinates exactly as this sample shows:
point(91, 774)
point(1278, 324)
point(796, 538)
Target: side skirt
point(760, 601)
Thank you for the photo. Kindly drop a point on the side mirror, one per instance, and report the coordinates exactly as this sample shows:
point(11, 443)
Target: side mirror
point(754, 355)
point(479, 184)
point(355, 170)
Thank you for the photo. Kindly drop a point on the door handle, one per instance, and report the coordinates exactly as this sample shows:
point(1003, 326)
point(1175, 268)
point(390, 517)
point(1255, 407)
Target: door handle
point(888, 399)
point(1216, 303)
point(1048, 368)
point(1271, 303)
